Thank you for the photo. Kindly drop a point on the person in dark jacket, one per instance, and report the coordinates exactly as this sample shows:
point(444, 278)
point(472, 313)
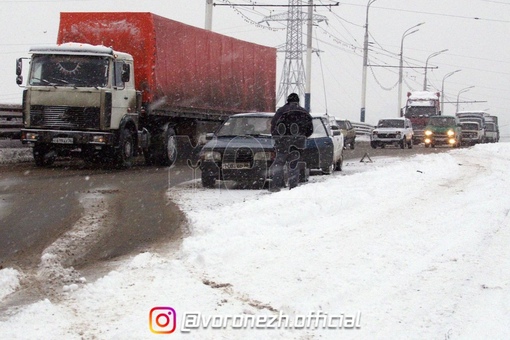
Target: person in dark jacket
point(290, 126)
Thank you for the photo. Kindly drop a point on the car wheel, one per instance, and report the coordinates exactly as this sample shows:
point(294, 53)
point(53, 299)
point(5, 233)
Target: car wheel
point(410, 144)
point(403, 143)
point(373, 145)
point(352, 145)
point(427, 145)
point(328, 170)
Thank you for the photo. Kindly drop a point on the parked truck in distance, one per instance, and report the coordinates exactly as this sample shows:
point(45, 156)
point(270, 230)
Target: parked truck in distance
point(421, 105)
point(478, 117)
point(471, 133)
point(492, 128)
point(117, 84)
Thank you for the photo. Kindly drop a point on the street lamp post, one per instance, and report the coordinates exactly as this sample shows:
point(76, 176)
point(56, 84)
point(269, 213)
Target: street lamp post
point(365, 64)
point(426, 67)
point(442, 88)
point(462, 91)
point(401, 64)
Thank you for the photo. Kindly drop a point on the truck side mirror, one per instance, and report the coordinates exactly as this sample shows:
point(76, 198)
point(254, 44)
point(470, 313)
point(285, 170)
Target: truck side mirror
point(19, 69)
point(19, 66)
point(126, 69)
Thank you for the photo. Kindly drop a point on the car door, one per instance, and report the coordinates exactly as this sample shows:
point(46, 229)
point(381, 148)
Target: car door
point(320, 147)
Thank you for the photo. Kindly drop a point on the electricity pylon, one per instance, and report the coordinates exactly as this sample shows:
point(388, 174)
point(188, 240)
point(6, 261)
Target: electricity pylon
point(293, 74)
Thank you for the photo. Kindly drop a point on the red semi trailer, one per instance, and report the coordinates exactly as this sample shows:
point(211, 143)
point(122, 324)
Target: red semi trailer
point(116, 84)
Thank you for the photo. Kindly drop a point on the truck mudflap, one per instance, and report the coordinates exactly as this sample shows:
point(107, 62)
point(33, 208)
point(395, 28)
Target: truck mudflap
point(69, 138)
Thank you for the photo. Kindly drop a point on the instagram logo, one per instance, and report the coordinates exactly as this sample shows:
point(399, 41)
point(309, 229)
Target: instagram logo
point(162, 320)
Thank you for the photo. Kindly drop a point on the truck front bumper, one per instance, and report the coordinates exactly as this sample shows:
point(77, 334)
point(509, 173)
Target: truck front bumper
point(60, 137)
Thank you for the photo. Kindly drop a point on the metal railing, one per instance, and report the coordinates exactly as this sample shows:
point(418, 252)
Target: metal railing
point(362, 128)
point(11, 121)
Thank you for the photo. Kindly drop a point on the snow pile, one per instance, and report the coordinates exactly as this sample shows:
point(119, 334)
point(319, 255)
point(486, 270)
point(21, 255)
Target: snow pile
point(9, 281)
point(414, 247)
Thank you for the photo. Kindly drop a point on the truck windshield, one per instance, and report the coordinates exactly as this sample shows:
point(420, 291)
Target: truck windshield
point(242, 126)
point(470, 126)
point(69, 70)
point(420, 111)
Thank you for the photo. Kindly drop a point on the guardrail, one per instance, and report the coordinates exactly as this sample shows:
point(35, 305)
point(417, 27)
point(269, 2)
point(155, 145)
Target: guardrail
point(11, 121)
point(362, 128)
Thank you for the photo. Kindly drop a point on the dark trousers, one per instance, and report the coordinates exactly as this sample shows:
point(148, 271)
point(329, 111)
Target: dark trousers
point(287, 150)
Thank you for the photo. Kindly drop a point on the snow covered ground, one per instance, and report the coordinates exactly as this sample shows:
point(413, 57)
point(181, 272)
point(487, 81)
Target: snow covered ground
point(394, 249)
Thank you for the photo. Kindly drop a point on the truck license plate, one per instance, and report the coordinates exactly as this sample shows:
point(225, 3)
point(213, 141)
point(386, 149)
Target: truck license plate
point(62, 140)
point(236, 166)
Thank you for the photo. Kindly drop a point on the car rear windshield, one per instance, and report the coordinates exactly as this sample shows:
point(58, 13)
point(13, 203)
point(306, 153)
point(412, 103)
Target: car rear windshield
point(242, 126)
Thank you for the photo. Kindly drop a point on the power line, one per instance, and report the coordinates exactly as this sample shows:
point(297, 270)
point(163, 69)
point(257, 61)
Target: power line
point(432, 13)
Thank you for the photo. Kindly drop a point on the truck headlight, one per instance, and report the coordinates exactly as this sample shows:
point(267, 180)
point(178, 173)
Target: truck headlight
point(30, 136)
point(264, 156)
point(450, 133)
point(213, 156)
point(99, 139)
point(428, 133)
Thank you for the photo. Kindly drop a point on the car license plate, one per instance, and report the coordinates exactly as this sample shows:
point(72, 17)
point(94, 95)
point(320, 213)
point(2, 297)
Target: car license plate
point(63, 140)
point(236, 166)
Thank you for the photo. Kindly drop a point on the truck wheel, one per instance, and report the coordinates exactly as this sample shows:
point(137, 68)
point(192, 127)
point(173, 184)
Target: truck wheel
point(208, 181)
point(169, 154)
point(125, 151)
point(43, 155)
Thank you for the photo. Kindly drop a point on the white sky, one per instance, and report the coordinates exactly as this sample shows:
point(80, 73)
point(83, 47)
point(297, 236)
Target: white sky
point(417, 246)
point(476, 46)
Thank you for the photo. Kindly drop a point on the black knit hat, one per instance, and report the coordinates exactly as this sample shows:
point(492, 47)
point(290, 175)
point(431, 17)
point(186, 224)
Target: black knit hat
point(293, 98)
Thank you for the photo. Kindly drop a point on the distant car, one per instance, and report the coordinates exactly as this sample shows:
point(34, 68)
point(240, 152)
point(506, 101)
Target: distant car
point(392, 131)
point(348, 132)
point(242, 150)
point(443, 130)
